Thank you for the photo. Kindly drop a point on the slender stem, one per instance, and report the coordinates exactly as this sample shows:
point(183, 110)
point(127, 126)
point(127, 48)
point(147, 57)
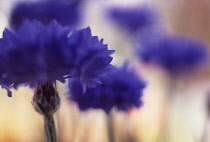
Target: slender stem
point(110, 128)
point(50, 129)
point(46, 101)
point(205, 132)
point(171, 99)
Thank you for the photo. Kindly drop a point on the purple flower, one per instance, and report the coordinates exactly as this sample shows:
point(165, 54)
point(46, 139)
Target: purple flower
point(91, 57)
point(36, 53)
point(67, 14)
point(176, 54)
point(133, 19)
point(122, 90)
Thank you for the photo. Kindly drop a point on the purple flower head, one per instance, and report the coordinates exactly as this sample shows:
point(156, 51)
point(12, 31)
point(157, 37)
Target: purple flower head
point(176, 54)
point(122, 90)
point(92, 56)
point(133, 19)
point(36, 53)
point(67, 14)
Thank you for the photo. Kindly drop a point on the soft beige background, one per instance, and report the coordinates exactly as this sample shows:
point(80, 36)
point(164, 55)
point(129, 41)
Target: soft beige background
point(20, 123)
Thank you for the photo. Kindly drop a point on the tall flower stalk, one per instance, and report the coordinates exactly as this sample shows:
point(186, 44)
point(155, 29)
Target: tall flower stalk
point(110, 129)
point(121, 91)
point(178, 56)
point(206, 129)
point(39, 55)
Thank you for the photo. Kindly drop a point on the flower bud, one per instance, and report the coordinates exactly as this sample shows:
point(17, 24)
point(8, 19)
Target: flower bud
point(46, 100)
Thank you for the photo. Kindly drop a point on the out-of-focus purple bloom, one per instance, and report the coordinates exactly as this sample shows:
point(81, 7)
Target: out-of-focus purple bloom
point(176, 54)
point(36, 53)
point(67, 14)
point(122, 90)
point(134, 18)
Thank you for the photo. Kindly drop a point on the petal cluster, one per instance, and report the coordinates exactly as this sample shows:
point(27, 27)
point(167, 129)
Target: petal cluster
point(122, 90)
point(91, 58)
point(36, 53)
point(45, 11)
point(176, 54)
point(134, 18)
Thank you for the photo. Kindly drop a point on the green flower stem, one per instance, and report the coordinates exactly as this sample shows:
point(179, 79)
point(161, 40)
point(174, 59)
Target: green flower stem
point(46, 101)
point(171, 98)
point(110, 128)
point(50, 129)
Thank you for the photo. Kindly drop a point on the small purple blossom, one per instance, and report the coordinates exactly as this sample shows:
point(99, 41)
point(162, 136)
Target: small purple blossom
point(122, 90)
point(133, 19)
point(67, 14)
point(36, 53)
point(176, 54)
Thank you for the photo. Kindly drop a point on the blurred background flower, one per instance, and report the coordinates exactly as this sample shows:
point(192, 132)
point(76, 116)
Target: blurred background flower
point(67, 14)
point(133, 19)
point(175, 54)
point(122, 91)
